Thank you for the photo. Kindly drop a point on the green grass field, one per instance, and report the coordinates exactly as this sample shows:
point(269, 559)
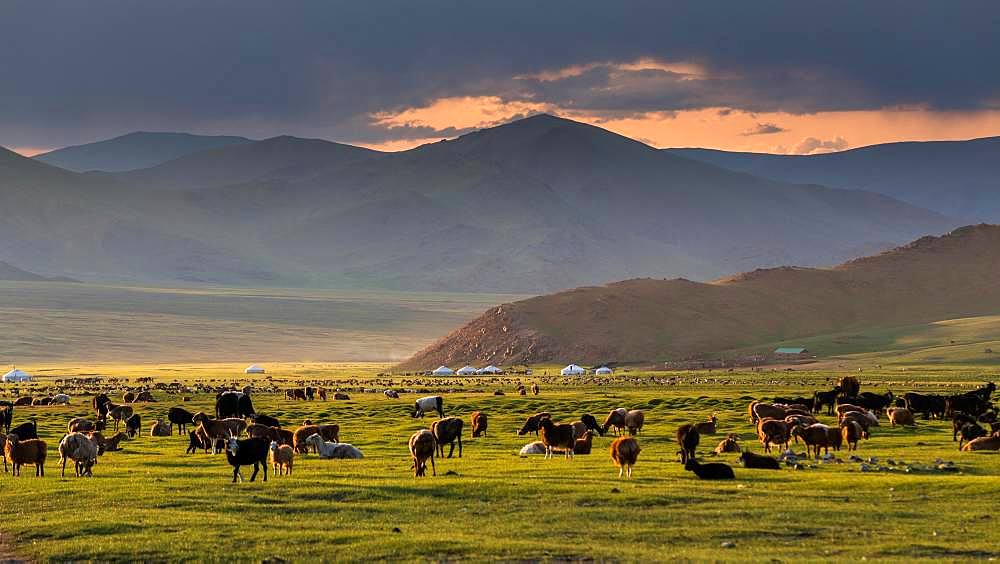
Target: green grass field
point(151, 501)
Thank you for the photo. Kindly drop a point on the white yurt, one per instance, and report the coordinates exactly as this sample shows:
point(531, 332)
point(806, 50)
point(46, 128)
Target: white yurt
point(467, 370)
point(604, 371)
point(254, 369)
point(443, 371)
point(572, 370)
point(490, 370)
point(16, 375)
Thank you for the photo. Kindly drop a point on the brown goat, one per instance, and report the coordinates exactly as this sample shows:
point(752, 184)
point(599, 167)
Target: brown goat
point(851, 433)
point(80, 425)
point(768, 411)
point(479, 423)
point(773, 431)
point(30, 451)
point(728, 444)
point(616, 419)
point(624, 454)
point(446, 431)
point(585, 443)
point(818, 437)
point(328, 432)
point(634, 420)
point(557, 436)
point(422, 447)
point(709, 427)
point(218, 428)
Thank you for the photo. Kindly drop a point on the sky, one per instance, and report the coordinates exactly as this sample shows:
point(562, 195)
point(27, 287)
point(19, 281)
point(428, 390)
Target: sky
point(771, 76)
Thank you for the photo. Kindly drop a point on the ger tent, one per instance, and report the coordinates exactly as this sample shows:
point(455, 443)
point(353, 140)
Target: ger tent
point(490, 370)
point(467, 370)
point(604, 370)
point(572, 370)
point(254, 369)
point(16, 375)
point(443, 371)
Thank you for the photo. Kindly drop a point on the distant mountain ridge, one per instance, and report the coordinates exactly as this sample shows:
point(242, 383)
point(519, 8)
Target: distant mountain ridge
point(9, 272)
point(140, 149)
point(536, 205)
point(956, 178)
point(647, 320)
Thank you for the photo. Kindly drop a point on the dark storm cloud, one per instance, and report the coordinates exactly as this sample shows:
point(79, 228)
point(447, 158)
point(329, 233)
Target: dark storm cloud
point(73, 71)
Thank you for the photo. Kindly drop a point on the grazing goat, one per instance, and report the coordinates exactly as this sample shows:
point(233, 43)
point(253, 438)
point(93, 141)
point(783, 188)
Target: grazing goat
point(161, 429)
point(900, 416)
point(246, 452)
point(132, 425)
point(80, 425)
point(20, 452)
point(711, 471)
point(479, 423)
point(991, 442)
point(925, 404)
point(422, 447)
point(970, 432)
point(328, 432)
point(797, 419)
point(819, 436)
point(828, 399)
point(107, 444)
point(863, 418)
point(759, 461)
point(851, 432)
point(843, 408)
point(634, 420)
point(556, 436)
point(591, 422)
point(532, 423)
point(119, 413)
point(282, 457)
point(687, 438)
point(215, 429)
point(233, 404)
point(82, 450)
point(773, 431)
point(446, 432)
point(876, 403)
point(624, 454)
point(198, 440)
point(708, 427)
point(144, 397)
point(616, 419)
point(333, 450)
point(427, 405)
point(729, 444)
point(181, 418)
point(391, 394)
point(340, 396)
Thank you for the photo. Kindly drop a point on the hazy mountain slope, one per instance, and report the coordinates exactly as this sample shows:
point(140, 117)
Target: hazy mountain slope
point(140, 149)
point(956, 178)
point(9, 272)
point(933, 278)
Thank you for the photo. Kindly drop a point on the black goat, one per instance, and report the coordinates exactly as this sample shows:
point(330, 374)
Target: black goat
point(825, 398)
point(233, 404)
point(688, 438)
point(180, 418)
point(876, 403)
point(25, 431)
point(132, 425)
point(958, 420)
point(711, 471)
point(591, 422)
point(6, 415)
point(751, 460)
point(267, 420)
point(245, 452)
point(970, 431)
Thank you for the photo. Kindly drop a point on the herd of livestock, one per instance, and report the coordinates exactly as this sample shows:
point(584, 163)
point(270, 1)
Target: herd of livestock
point(249, 438)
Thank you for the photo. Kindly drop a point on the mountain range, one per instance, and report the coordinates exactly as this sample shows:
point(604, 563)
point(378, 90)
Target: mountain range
point(140, 149)
point(536, 205)
point(647, 320)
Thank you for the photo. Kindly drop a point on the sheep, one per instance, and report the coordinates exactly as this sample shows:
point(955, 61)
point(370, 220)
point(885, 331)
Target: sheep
point(60, 399)
point(579, 428)
point(422, 447)
point(100, 404)
point(391, 394)
point(970, 432)
point(479, 423)
point(333, 450)
point(616, 419)
point(861, 419)
point(773, 431)
point(245, 452)
point(537, 447)
point(80, 425)
point(23, 400)
point(215, 429)
point(198, 440)
point(991, 442)
point(82, 450)
point(687, 438)
point(161, 429)
point(340, 396)
point(118, 413)
point(557, 436)
point(446, 432)
point(591, 422)
point(759, 461)
point(282, 457)
point(818, 437)
point(26, 430)
point(768, 411)
point(900, 416)
point(797, 419)
point(634, 420)
point(531, 424)
point(427, 405)
point(180, 418)
point(584, 444)
point(144, 397)
point(851, 432)
point(534, 388)
point(107, 444)
point(132, 425)
point(20, 452)
point(708, 427)
point(843, 408)
point(328, 432)
point(711, 471)
point(849, 386)
point(624, 454)
point(728, 444)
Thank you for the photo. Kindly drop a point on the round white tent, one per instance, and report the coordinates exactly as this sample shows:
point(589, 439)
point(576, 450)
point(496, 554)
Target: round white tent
point(16, 375)
point(254, 369)
point(443, 371)
point(467, 370)
point(572, 370)
point(604, 370)
point(490, 370)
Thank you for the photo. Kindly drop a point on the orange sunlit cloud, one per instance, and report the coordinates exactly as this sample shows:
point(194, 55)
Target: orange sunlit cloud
point(30, 151)
point(459, 112)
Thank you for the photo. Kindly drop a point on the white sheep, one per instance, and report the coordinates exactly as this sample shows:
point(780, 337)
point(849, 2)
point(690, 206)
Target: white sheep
point(60, 399)
point(81, 449)
point(333, 450)
point(537, 447)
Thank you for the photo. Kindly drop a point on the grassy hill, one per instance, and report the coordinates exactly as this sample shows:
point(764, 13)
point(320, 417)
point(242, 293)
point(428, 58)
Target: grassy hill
point(932, 279)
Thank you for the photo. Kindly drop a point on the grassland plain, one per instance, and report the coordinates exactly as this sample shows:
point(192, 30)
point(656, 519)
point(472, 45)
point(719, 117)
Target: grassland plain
point(153, 502)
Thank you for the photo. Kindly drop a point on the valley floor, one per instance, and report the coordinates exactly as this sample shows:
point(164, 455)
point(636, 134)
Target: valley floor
point(153, 502)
